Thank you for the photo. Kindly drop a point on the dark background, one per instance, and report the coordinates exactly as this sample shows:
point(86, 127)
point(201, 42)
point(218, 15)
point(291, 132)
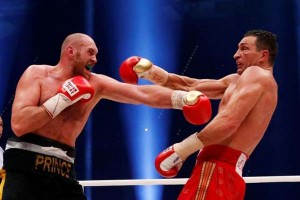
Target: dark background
point(206, 33)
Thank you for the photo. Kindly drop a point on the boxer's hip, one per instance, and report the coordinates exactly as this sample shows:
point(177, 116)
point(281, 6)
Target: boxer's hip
point(233, 158)
point(217, 175)
point(40, 155)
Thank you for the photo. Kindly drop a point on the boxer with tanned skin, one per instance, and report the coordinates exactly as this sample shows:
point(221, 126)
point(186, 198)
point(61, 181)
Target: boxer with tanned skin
point(248, 101)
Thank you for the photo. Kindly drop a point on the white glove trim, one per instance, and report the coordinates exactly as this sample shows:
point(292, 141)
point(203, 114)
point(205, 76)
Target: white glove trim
point(188, 146)
point(177, 99)
point(56, 104)
point(170, 162)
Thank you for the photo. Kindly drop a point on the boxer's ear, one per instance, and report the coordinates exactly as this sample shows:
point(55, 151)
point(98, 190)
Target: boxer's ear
point(264, 57)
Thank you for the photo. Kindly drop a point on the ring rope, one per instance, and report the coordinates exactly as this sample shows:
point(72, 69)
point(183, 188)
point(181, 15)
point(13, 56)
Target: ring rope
point(182, 181)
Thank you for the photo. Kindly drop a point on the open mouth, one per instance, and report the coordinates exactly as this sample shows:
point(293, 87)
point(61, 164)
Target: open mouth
point(238, 64)
point(89, 68)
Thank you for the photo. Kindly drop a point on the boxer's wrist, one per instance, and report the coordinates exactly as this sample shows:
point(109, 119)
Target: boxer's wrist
point(177, 99)
point(157, 75)
point(188, 146)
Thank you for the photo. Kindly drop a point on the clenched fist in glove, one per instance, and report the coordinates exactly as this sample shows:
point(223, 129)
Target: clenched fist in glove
point(71, 91)
point(195, 105)
point(169, 162)
point(136, 67)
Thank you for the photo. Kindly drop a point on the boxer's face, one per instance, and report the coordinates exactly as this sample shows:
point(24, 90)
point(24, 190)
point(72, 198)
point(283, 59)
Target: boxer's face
point(247, 54)
point(85, 59)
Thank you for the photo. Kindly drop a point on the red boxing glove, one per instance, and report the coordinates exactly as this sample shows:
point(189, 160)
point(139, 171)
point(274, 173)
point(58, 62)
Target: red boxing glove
point(198, 109)
point(77, 88)
point(136, 67)
point(168, 163)
point(71, 91)
point(195, 105)
point(133, 68)
point(126, 70)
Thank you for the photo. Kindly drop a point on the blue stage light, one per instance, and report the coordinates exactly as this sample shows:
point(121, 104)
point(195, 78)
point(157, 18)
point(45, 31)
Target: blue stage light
point(89, 29)
point(145, 28)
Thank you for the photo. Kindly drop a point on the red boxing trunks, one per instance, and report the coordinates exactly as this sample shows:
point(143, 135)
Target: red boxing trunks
point(217, 175)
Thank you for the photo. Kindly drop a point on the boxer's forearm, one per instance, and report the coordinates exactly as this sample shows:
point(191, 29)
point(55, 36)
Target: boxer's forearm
point(29, 119)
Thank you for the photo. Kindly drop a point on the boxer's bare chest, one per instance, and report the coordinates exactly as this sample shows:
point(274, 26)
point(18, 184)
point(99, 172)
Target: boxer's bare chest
point(228, 94)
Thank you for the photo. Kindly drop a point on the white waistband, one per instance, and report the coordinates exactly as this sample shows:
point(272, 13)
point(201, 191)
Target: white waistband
point(240, 164)
point(50, 151)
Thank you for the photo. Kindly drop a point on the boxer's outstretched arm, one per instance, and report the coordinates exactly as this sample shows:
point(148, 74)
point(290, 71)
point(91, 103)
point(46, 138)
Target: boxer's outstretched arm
point(151, 95)
point(213, 88)
point(195, 105)
point(136, 67)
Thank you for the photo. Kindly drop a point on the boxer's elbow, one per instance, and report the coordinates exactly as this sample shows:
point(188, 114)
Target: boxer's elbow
point(18, 128)
point(233, 125)
point(230, 124)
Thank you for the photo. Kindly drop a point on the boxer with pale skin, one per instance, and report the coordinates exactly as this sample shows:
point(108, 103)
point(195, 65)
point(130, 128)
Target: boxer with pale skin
point(51, 107)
